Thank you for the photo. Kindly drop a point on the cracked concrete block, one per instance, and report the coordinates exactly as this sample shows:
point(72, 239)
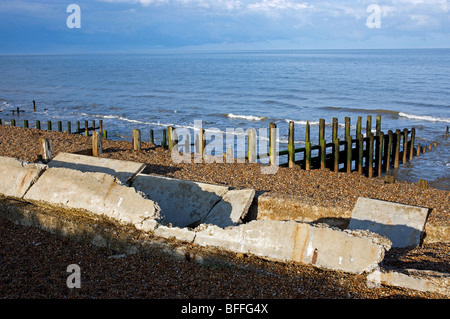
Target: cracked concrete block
point(97, 193)
point(183, 202)
point(232, 208)
point(182, 234)
point(321, 246)
point(124, 171)
point(402, 224)
point(16, 176)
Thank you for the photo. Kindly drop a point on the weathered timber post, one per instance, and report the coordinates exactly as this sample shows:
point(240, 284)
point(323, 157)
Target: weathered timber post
point(358, 126)
point(59, 126)
point(322, 149)
point(49, 125)
point(405, 145)
point(78, 127)
point(307, 148)
point(349, 149)
point(272, 143)
point(170, 137)
point(336, 154)
point(201, 141)
point(105, 134)
point(13, 122)
point(368, 125)
point(411, 146)
point(101, 126)
point(379, 153)
point(422, 184)
point(252, 146)
point(152, 136)
point(34, 106)
point(397, 148)
point(93, 125)
point(323, 153)
point(378, 125)
point(335, 129)
point(46, 149)
point(388, 152)
point(418, 150)
point(370, 155)
point(86, 127)
point(97, 148)
point(69, 127)
point(360, 153)
point(164, 141)
point(347, 127)
point(25, 123)
point(136, 140)
point(38, 124)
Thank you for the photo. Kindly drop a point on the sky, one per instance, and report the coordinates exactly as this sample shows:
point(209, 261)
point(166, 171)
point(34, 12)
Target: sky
point(54, 26)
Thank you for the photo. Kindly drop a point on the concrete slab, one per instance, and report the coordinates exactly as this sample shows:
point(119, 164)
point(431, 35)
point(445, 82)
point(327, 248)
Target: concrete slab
point(402, 224)
point(231, 209)
point(97, 193)
point(16, 176)
point(183, 202)
point(321, 246)
point(124, 171)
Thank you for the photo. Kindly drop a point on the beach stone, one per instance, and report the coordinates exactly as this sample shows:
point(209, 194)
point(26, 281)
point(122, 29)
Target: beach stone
point(124, 171)
point(402, 224)
point(16, 176)
point(97, 193)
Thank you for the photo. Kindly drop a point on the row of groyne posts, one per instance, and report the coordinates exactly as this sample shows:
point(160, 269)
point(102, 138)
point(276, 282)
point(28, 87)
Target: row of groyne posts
point(370, 154)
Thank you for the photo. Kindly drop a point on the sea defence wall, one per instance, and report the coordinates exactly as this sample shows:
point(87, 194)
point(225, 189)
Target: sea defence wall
point(201, 214)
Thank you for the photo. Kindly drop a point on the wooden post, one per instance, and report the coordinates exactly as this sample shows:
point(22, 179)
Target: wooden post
point(358, 127)
point(378, 125)
point(323, 154)
point(446, 132)
point(370, 155)
point(411, 146)
point(307, 148)
point(97, 148)
point(201, 141)
point(152, 136)
point(34, 106)
point(13, 122)
point(272, 143)
point(388, 152)
point(368, 125)
point(49, 125)
point(335, 129)
point(69, 127)
point(46, 149)
point(164, 141)
point(360, 153)
point(405, 145)
point(136, 140)
point(336, 154)
point(379, 153)
point(38, 124)
point(422, 184)
point(25, 123)
point(252, 146)
point(101, 126)
point(0, 121)
point(170, 137)
point(78, 127)
point(347, 127)
point(321, 130)
point(105, 134)
point(291, 146)
point(397, 148)
point(418, 149)
point(349, 149)
point(59, 126)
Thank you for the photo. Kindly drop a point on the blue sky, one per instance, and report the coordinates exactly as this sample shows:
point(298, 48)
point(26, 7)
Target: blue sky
point(29, 27)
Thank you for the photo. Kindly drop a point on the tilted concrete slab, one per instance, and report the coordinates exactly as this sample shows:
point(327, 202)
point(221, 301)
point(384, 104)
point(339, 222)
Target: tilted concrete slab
point(97, 193)
point(183, 202)
point(321, 246)
point(231, 209)
point(124, 171)
point(402, 224)
point(16, 176)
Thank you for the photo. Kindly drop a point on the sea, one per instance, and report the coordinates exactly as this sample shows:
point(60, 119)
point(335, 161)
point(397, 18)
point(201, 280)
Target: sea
point(232, 90)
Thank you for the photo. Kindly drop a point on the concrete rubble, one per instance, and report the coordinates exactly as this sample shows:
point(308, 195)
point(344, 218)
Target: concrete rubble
point(212, 215)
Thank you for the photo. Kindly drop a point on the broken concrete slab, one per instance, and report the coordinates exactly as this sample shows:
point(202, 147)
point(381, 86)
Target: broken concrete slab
point(421, 280)
point(97, 193)
point(124, 171)
point(321, 246)
point(182, 234)
point(402, 224)
point(16, 176)
point(183, 202)
point(239, 200)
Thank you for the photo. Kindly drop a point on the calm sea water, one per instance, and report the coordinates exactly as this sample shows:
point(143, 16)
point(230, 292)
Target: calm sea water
point(409, 88)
